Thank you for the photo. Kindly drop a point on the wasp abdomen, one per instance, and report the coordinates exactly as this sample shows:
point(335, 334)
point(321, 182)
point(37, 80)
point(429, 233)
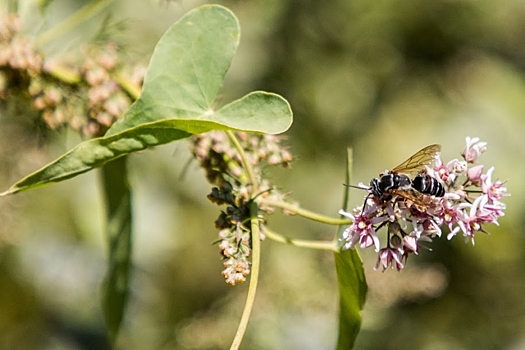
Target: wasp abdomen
point(426, 184)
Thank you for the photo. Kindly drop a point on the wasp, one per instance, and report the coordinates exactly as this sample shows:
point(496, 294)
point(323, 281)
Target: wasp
point(398, 181)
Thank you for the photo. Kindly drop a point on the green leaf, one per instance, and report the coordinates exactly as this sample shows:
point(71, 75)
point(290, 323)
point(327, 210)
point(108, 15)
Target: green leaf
point(97, 152)
point(185, 74)
point(118, 232)
point(352, 294)
point(352, 283)
point(187, 68)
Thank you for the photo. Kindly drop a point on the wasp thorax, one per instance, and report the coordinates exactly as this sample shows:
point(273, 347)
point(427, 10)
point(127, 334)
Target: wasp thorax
point(387, 183)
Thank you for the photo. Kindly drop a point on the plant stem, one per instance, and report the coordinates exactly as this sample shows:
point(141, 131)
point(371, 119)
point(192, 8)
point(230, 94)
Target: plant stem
point(133, 90)
point(68, 76)
point(245, 162)
point(323, 245)
point(306, 213)
point(254, 278)
point(256, 245)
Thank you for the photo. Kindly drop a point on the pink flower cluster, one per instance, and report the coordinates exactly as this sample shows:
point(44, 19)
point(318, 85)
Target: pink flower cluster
point(472, 199)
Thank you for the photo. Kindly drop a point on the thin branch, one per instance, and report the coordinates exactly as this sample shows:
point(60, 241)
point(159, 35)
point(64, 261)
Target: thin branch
point(245, 162)
point(306, 213)
point(254, 277)
point(127, 85)
point(323, 245)
point(66, 75)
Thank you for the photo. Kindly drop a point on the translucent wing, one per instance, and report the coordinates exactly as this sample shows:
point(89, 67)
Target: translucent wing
point(415, 199)
point(415, 163)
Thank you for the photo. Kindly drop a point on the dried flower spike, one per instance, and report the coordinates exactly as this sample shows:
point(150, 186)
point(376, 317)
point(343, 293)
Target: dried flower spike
point(89, 103)
point(226, 171)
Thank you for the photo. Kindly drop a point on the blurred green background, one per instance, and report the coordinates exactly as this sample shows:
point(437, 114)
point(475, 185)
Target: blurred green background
point(383, 77)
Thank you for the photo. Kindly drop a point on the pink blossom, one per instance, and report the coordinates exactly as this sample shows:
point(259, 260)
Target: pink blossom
point(474, 174)
point(441, 170)
point(494, 190)
point(473, 150)
point(451, 216)
point(362, 231)
point(457, 167)
point(410, 242)
point(471, 220)
point(431, 227)
point(389, 257)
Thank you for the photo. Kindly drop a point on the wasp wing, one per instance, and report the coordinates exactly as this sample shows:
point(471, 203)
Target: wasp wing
point(416, 163)
point(420, 201)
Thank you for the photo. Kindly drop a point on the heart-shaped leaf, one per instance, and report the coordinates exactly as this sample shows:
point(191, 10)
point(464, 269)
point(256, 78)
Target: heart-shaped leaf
point(185, 74)
point(187, 68)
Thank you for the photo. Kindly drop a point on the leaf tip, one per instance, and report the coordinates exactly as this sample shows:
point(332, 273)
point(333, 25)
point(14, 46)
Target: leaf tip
point(9, 191)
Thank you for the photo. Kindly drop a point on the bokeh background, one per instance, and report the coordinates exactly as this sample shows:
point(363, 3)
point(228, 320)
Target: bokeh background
point(383, 77)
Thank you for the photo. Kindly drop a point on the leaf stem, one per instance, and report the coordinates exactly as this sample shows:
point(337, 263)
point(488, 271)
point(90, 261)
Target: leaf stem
point(323, 245)
point(245, 162)
point(132, 89)
point(306, 213)
point(254, 277)
point(68, 76)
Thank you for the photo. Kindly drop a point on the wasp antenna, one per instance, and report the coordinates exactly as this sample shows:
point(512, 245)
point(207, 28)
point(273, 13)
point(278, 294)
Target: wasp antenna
point(359, 188)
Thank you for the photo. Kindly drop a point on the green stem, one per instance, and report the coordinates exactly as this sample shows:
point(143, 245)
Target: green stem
point(245, 162)
point(65, 27)
point(68, 76)
point(323, 245)
point(132, 89)
point(254, 278)
point(306, 213)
